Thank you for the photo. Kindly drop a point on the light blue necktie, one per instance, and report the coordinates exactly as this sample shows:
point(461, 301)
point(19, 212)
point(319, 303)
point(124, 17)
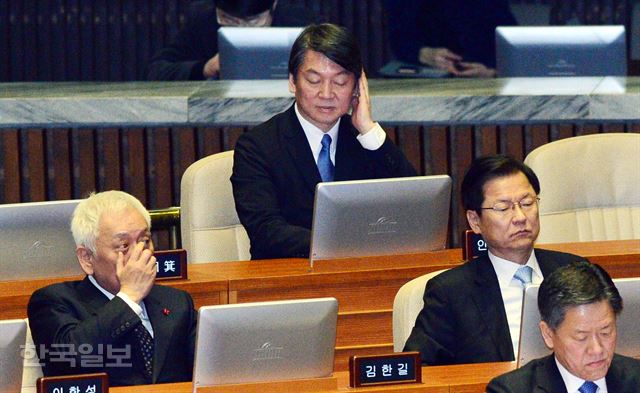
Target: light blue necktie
point(325, 166)
point(523, 274)
point(588, 387)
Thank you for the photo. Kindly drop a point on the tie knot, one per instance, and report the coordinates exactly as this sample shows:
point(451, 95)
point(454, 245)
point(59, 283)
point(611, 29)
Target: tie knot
point(326, 140)
point(588, 387)
point(523, 274)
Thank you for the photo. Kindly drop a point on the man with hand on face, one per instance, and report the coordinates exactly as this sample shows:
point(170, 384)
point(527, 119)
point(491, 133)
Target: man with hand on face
point(578, 306)
point(193, 53)
point(115, 320)
point(472, 312)
point(278, 163)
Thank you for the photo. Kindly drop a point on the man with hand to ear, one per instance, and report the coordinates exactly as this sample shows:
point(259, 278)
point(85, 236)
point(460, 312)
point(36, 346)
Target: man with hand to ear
point(115, 320)
point(278, 164)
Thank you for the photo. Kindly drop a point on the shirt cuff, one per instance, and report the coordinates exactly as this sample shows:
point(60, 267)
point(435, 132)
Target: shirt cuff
point(134, 306)
point(372, 139)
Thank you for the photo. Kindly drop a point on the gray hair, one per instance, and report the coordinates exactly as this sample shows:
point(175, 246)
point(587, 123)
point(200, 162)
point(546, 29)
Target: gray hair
point(86, 217)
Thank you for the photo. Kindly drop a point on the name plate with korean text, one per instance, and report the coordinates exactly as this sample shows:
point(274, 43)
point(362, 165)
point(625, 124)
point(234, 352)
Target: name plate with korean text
point(396, 368)
point(474, 245)
point(82, 383)
point(171, 264)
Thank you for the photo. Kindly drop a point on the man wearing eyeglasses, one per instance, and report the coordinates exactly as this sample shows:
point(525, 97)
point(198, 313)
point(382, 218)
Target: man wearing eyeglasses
point(472, 313)
point(193, 53)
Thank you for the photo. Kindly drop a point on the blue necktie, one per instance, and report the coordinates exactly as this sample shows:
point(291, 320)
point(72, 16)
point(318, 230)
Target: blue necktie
point(588, 387)
point(325, 166)
point(523, 274)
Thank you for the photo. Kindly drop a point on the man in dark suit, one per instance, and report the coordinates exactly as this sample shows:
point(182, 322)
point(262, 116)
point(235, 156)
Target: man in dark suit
point(472, 312)
point(278, 164)
point(578, 306)
point(193, 52)
point(115, 320)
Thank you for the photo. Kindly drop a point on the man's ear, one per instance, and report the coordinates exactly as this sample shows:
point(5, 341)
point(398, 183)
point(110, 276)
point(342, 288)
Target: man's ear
point(292, 84)
point(85, 259)
point(474, 221)
point(547, 334)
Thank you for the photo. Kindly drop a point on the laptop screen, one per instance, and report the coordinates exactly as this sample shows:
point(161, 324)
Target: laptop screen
point(380, 217)
point(255, 52)
point(36, 240)
point(265, 341)
point(12, 337)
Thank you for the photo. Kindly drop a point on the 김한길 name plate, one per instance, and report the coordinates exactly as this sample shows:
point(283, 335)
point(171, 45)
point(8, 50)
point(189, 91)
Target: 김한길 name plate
point(396, 368)
point(81, 383)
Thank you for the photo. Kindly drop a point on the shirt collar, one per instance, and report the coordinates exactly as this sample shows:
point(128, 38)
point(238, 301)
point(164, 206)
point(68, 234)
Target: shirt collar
point(108, 294)
point(573, 383)
point(314, 134)
point(505, 269)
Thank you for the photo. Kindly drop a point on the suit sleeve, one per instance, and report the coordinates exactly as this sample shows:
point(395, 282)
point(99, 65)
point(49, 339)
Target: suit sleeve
point(432, 334)
point(258, 208)
point(389, 161)
point(498, 385)
point(53, 321)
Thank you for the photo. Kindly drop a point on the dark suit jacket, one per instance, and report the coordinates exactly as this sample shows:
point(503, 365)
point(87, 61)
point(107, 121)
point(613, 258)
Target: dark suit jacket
point(197, 42)
point(463, 319)
point(542, 376)
point(275, 175)
point(67, 315)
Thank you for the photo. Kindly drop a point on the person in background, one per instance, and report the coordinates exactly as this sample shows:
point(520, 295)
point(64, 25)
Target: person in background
point(454, 35)
point(278, 163)
point(115, 320)
point(472, 312)
point(578, 304)
point(193, 52)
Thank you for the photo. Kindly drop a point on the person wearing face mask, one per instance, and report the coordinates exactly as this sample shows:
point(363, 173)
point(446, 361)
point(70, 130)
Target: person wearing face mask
point(115, 320)
point(278, 163)
point(193, 52)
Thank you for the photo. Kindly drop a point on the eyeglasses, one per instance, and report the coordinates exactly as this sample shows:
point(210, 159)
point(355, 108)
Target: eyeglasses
point(259, 20)
point(525, 204)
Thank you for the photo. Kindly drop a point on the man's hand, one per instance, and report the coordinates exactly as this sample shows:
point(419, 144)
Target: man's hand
point(361, 104)
point(441, 58)
point(137, 275)
point(212, 67)
point(474, 70)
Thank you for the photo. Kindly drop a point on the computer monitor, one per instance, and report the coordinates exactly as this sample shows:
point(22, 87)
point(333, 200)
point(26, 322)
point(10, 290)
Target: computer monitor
point(359, 218)
point(36, 240)
point(265, 341)
point(532, 345)
point(12, 337)
point(255, 52)
point(524, 51)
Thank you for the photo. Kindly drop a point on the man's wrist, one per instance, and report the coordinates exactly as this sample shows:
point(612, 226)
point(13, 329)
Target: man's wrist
point(130, 302)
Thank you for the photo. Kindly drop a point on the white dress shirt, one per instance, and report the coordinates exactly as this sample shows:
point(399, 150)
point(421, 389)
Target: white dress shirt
point(139, 309)
point(512, 291)
point(573, 383)
point(371, 140)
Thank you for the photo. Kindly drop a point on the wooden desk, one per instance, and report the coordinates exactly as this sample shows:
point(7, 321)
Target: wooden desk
point(467, 378)
point(364, 287)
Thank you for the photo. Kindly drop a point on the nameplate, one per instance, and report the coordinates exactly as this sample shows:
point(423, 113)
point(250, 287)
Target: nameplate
point(395, 368)
point(474, 245)
point(82, 383)
point(171, 264)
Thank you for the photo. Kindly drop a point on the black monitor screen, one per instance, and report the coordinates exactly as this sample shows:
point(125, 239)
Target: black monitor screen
point(561, 51)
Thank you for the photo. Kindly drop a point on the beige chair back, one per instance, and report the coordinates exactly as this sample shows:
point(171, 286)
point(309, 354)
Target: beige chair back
point(590, 188)
point(32, 370)
point(406, 307)
point(210, 228)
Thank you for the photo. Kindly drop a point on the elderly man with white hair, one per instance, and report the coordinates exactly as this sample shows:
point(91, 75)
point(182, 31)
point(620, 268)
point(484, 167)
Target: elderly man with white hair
point(115, 320)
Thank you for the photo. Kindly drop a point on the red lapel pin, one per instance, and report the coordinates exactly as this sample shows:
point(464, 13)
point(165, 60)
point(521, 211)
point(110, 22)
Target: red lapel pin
point(166, 311)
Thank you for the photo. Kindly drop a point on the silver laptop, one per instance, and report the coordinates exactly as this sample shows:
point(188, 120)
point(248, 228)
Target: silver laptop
point(36, 240)
point(265, 341)
point(380, 217)
point(243, 48)
point(12, 336)
point(532, 345)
